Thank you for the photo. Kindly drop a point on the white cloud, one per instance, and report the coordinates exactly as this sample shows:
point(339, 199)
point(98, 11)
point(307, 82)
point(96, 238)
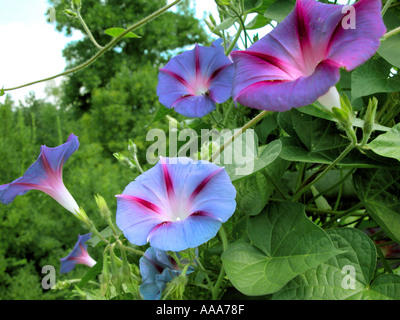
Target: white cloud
point(31, 50)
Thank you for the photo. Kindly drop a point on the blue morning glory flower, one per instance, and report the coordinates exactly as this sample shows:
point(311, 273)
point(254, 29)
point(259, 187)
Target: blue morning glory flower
point(157, 268)
point(45, 174)
point(78, 255)
point(194, 81)
point(178, 204)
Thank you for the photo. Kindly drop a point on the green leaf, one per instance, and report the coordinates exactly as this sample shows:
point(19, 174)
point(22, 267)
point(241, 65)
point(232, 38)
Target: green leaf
point(115, 32)
point(373, 77)
point(314, 111)
point(251, 5)
point(226, 24)
point(346, 276)
point(92, 273)
point(379, 190)
point(390, 48)
point(285, 243)
point(162, 112)
point(2, 93)
point(258, 21)
point(95, 240)
point(249, 159)
point(279, 10)
point(316, 140)
point(387, 144)
point(254, 192)
point(266, 127)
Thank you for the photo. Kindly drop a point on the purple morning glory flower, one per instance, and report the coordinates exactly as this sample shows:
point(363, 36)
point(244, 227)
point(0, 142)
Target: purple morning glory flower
point(195, 80)
point(45, 174)
point(78, 255)
point(157, 269)
point(178, 204)
point(298, 62)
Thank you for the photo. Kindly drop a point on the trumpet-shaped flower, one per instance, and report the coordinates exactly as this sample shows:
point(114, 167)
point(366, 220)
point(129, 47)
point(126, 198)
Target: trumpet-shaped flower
point(45, 174)
point(157, 269)
point(178, 204)
point(298, 62)
point(195, 80)
point(78, 255)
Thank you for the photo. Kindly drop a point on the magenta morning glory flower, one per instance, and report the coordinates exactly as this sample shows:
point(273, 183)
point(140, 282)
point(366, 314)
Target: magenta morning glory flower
point(195, 80)
point(45, 174)
point(78, 255)
point(178, 204)
point(157, 269)
point(298, 62)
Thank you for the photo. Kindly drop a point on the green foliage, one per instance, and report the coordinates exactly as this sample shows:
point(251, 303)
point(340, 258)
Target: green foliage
point(315, 183)
point(168, 32)
point(284, 244)
point(346, 276)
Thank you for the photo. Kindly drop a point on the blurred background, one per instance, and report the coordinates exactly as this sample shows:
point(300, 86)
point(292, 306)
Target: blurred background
point(105, 105)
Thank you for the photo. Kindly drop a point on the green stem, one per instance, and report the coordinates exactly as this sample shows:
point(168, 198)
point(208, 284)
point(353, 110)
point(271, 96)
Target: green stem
point(238, 133)
point(234, 41)
point(391, 33)
point(383, 259)
point(92, 228)
point(350, 147)
point(345, 214)
point(209, 282)
point(228, 112)
point(224, 242)
point(332, 187)
point(107, 47)
point(339, 214)
point(386, 7)
point(87, 30)
point(135, 251)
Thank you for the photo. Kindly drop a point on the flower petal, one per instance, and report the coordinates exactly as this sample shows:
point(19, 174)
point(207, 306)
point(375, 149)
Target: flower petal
point(136, 221)
point(78, 255)
point(188, 233)
point(284, 95)
point(283, 69)
point(194, 80)
point(352, 47)
point(45, 174)
point(194, 106)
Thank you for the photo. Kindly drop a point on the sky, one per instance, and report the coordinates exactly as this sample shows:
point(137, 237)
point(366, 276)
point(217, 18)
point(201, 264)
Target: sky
point(31, 48)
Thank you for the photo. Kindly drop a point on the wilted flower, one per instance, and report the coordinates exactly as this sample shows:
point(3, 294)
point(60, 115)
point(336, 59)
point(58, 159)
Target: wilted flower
point(298, 62)
point(78, 255)
point(157, 269)
point(45, 174)
point(178, 204)
point(195, 80)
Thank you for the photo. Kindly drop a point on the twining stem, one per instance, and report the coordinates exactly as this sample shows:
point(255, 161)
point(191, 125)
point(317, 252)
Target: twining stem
point(224, 241)
point(387, 5)
point(135, 251)
point(390, 33)
point(238, 133)
point(350, 172)
point(228, 112)
point(383, 259)
point(234, 41)
point(209, 282)
point(350, 147)
point(89, 34)
point(348, 212)
point(104, 49)
point(339, 214)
